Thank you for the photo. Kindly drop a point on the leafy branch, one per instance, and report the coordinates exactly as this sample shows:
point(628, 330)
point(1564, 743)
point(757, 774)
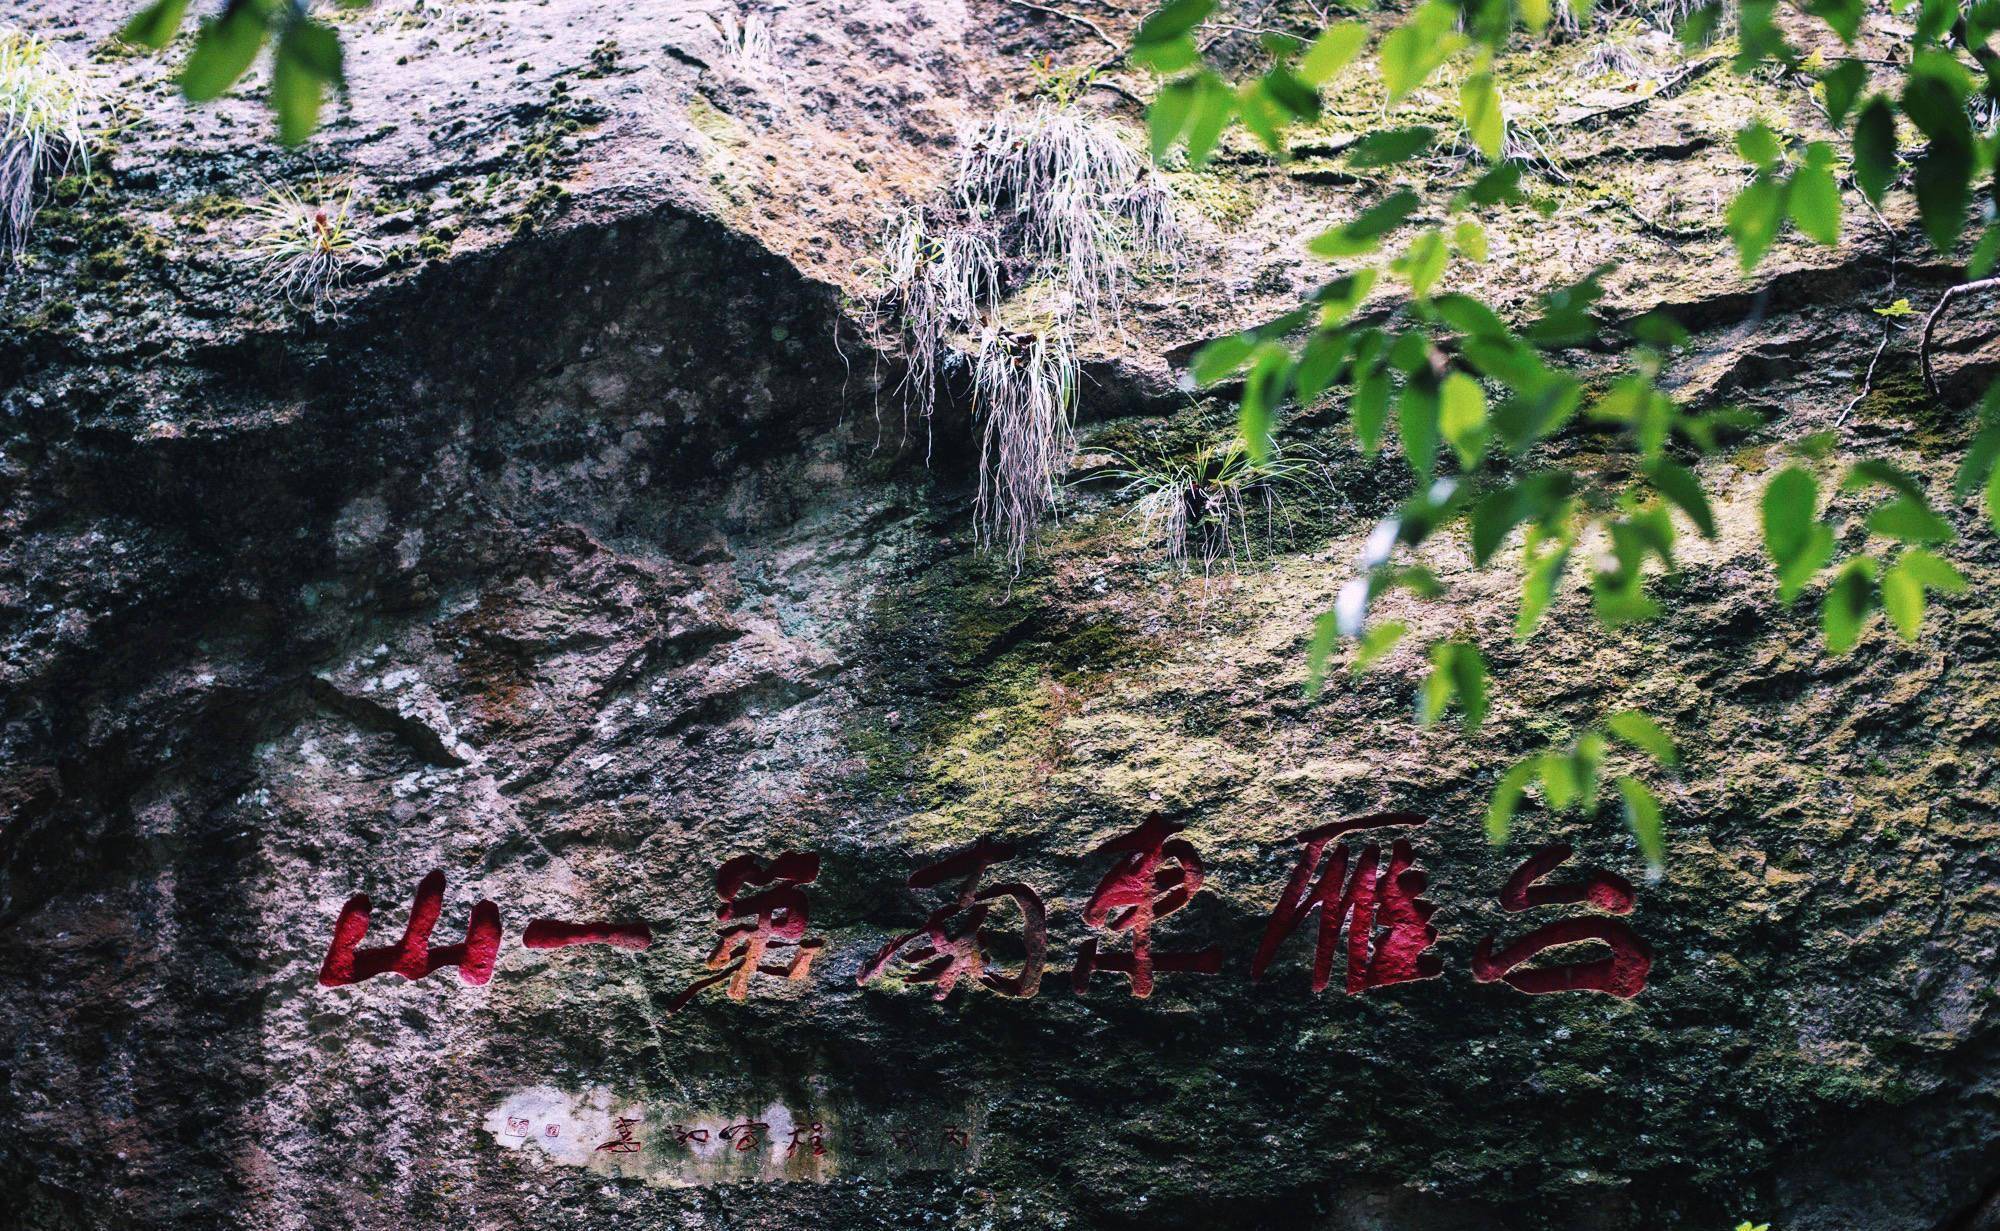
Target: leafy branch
point(1456, 378)
point(306, 57)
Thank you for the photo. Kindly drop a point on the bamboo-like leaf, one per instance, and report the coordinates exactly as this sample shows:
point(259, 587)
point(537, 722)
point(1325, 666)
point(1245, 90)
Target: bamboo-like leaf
point(1848, 601)
point(1642, 813)
point(1479, 104)
point(1644, 734)
point(1507, 799)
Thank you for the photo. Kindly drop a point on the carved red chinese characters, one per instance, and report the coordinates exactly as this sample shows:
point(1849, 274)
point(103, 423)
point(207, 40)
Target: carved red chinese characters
point(413, 956)
point(1372, 917)
point(753, 926)
point(953, 940)
point(1621, 973)
point(554, 934)
point(1156, 874)
point(1364, 901)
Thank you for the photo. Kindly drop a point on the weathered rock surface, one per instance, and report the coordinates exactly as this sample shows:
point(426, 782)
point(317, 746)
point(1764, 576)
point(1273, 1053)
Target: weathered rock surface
point(583, 546)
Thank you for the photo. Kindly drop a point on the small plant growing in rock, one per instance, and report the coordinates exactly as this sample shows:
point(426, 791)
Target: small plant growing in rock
point(42, 105)
point(746, 40)
point(1080, 204)
point(1046, 196)
point(305, 244)
point(1200, 507)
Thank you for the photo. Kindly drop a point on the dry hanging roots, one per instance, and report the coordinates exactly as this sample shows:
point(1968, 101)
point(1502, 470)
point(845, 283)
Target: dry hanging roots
point(1048, 196)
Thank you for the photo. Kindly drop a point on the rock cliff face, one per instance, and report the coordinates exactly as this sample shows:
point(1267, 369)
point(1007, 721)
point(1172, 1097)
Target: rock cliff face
point(582, 546)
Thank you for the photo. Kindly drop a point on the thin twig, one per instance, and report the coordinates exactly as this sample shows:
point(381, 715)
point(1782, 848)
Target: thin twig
point(1888, 324)
point(1668, 88)
point(1117, 47)
point(1930, 324)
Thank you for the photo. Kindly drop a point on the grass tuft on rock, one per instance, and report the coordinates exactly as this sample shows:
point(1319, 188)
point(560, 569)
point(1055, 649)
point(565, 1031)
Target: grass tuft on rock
point(42, 107)
point(1049, 200)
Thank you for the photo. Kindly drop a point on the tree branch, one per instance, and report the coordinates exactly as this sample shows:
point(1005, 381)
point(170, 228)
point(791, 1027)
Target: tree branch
point(1930, 325)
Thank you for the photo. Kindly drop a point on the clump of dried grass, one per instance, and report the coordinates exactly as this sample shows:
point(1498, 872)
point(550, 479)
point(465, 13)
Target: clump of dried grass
point(42, 107)
point(1047, 195)
point(746, 41)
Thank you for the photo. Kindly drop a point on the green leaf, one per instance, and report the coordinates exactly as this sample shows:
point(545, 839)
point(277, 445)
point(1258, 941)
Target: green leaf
point(1263, 391)
point(1424, 261)
point(1214, 106)
point(1798, 543)
point(1659, 329)
point(1910, 521)
point(1562, 780)
point(1376, 642)
point(1170, 56)
point(1934, 18)
point(1546, 556)
point(1678, 484)
point(1326, 635)
point(1984, 451)
point(1320, 363)
point(1370, 410)
point(155, 25)
point(1261, 116)
point(1993, 497)
point(1339, 298)
point(1814, 199)
point(1842, 16)
point(1642, 813)
point(1457, 672)
point(1932, 571)
point(223, 52)
point(1753, 217)
point(1167, 118)
point(307, 62)
point(1222, 357)
point(1462, 416)
point(1417, 424)
point(1539, 498)
point(1479, 104)
point(1644, 734)
point(1294, 97)
point(1848, 601)
point(1390, 145)
point(1909, 517)
point(1874, 472)
point(1172, 20)
point(1469, 316)
point(1697, 29)
point(1843, 84)
point(1414, 50)
point(1759, 146)
point(1903, 599)
point(1507, 799)
point(1363, 233)
point(1875, 148)
point(1566, 312)
point(315, 45)
point(1934, 100)
point(1332, 51)
point(1469, 238)
point(1985, 254)
point(1501, 184)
